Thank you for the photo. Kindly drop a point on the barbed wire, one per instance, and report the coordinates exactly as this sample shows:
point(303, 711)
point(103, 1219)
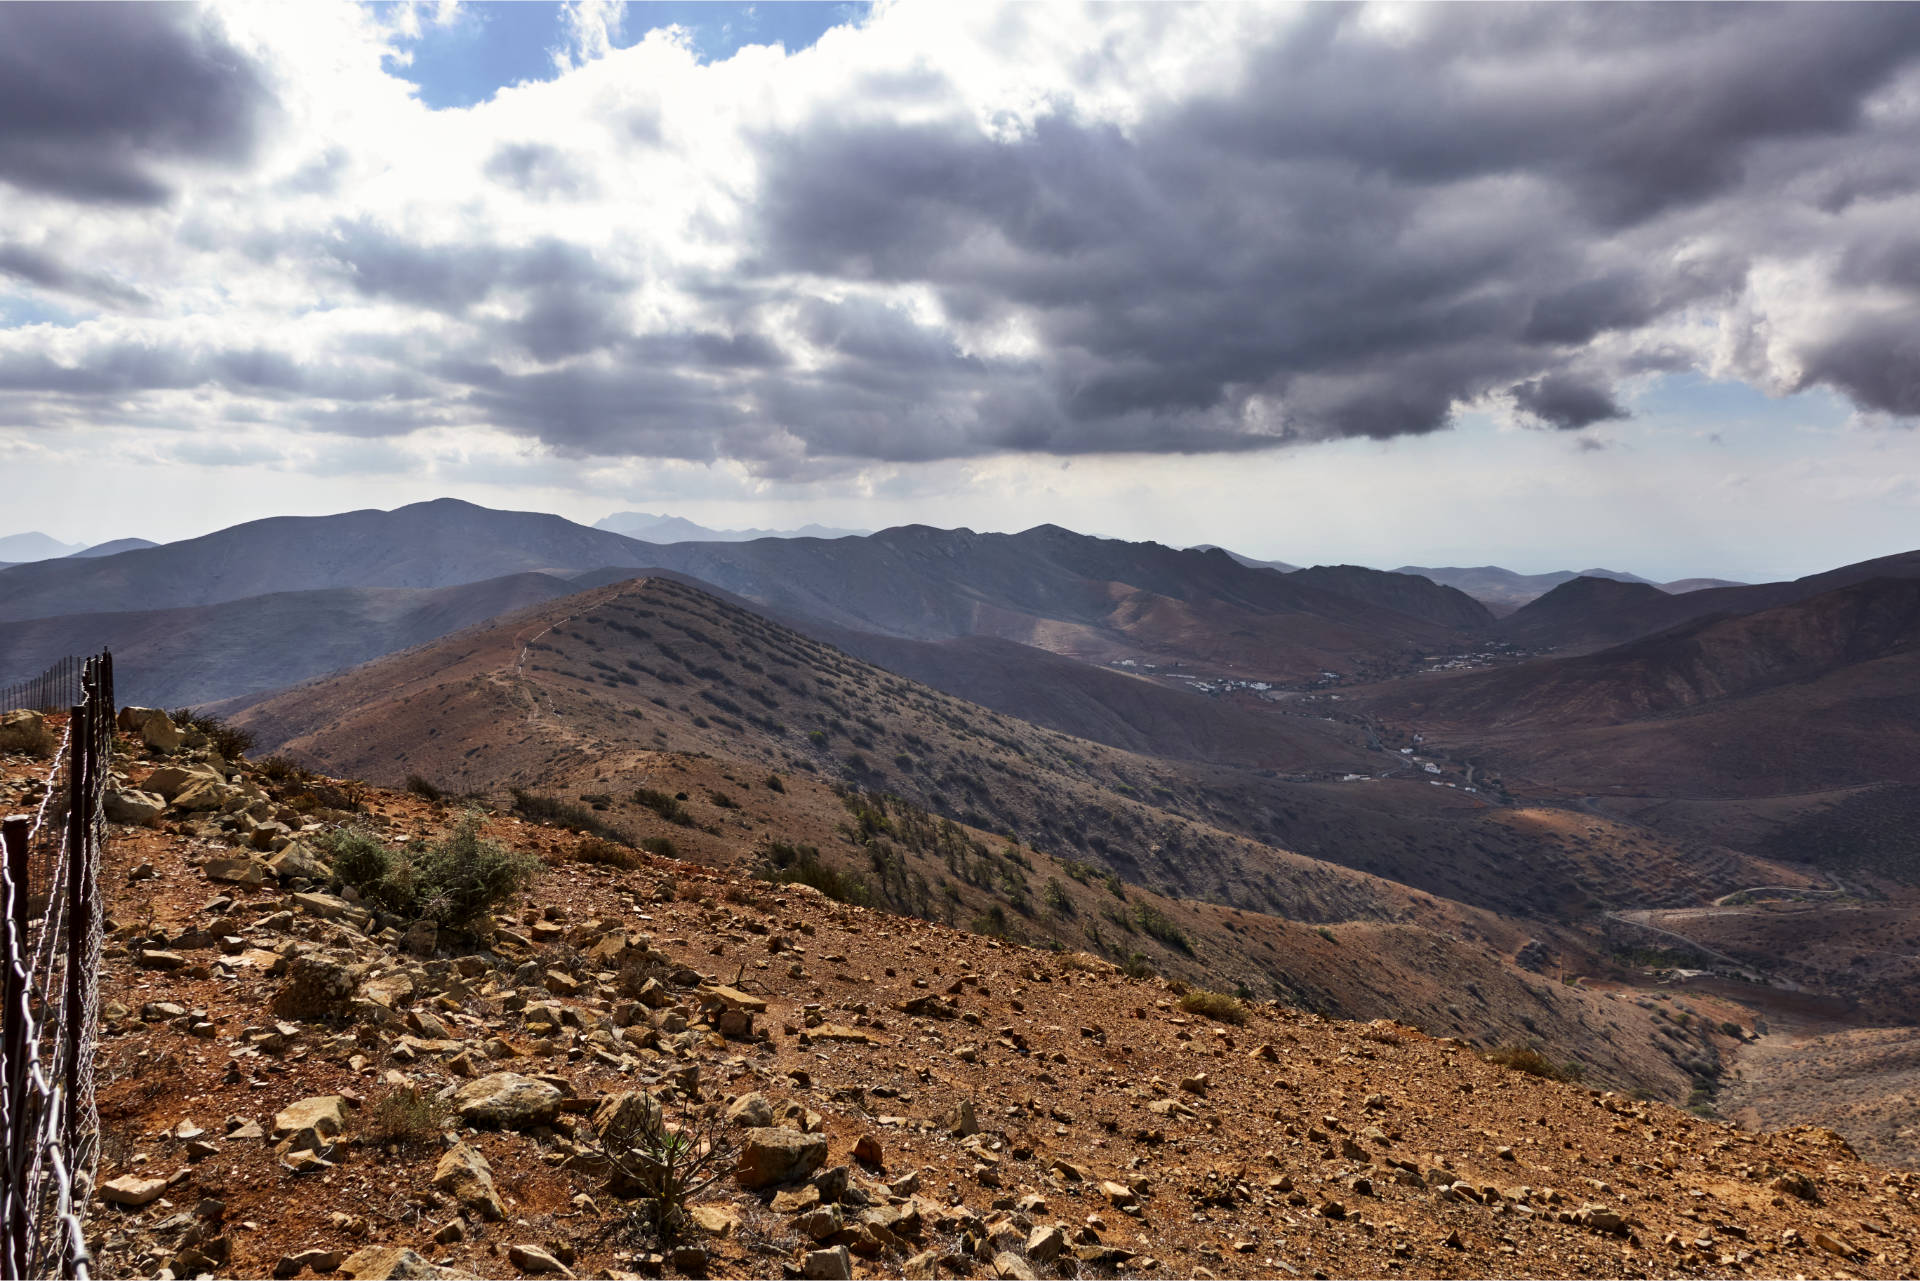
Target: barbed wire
point(50, 940)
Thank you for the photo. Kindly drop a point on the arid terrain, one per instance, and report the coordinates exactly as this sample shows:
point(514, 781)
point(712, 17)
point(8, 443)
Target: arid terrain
point(906, 1097)
point(1665, 869)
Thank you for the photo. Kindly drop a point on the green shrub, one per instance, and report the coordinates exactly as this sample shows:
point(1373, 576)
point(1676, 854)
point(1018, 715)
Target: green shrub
point(661, 846)
point(1056, 897)
point(278, 769)
point(1217, 1006)
point(421, 786)
point(358, 860)
point(664, 805)
point(722, 801)
point(575, 818)
point(1157, 924)
point(775, 783)
point(668, 1161)
point(460, 878)
point(228, 740)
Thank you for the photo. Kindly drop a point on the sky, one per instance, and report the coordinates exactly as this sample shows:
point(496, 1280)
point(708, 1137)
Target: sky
point(1545, 286)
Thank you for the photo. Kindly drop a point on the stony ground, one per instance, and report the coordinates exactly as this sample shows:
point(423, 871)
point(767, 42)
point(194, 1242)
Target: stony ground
point(909, 1099)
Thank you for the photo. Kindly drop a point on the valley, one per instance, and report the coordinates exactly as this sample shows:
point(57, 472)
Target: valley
point(1353, 792)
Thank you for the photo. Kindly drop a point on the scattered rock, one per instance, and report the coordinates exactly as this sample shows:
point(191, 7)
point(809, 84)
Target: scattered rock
point(388, 1263)
point(774, 1155)
point(132, 1190)
point(828, 1265)
point(464, 1173)
point(531, 1258)
point(751, 1111)
point(507, 1100)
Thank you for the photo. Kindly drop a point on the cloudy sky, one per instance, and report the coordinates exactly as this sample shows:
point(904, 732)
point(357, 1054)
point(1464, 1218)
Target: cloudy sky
point(1547, 286)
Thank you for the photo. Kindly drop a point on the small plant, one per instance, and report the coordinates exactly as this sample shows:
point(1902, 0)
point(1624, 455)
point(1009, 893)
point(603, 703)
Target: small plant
point(1327, 934)
point(663, 804)
point(230, 741)
point(1525, 1058)
point(1217, 1006)
point(721, 800)
point(667, 1161)
point(279, 769)
point(403, 1117)
point(775, 783)
point(424, 788)
point(603, 853)
point(1157, 924)
point(575, 818)
point(660, 846)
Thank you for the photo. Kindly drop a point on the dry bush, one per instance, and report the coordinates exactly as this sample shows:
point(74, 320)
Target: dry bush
point(604, 853)
point(1217, 1006)
point(403, 1117)
point(1525, 1058)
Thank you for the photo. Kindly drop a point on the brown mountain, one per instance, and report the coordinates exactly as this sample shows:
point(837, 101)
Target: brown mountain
point(1409, 594)
point(436, 544)
point(1589, 613)
point(1819, 693)
point(203, 653)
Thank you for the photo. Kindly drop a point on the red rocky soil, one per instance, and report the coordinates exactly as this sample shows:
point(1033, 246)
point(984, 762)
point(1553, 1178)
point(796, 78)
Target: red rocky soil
point(974, 1097)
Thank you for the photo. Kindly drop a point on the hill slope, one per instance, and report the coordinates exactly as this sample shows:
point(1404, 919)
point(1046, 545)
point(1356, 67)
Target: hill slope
point(437, 544)
point(1590, 613)
point(203, 653)
point(1804, 697)
point(1297, 1145)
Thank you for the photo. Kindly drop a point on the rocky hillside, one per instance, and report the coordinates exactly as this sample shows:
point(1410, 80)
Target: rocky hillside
point(296, 1081)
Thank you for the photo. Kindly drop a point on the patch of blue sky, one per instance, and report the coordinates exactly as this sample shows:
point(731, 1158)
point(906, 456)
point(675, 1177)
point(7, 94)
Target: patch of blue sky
point(1737, 414)
point(491, 46)
point(20, 310)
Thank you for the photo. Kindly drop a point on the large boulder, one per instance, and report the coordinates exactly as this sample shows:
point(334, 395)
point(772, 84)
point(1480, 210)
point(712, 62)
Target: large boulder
point(507, 1100)
point(773, 1155)
point(155, 728)
point(24, 731)
point(465, 1175)
point(297, 859)
point(318, 987)
point(170, 780)
point(203, 794)
point(128, 805)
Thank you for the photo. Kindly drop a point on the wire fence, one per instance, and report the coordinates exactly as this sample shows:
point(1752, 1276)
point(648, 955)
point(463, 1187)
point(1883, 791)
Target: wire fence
point(50, 997)
point(55, 689)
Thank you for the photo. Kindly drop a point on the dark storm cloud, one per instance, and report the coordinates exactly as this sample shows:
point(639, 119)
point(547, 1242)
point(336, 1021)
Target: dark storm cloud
point(1362, 233)
point(95, 99)
point(1354, 234)
point(1566, 402)
point(37, 267)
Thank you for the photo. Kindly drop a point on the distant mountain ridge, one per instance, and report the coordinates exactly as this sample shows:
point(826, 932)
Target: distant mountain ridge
point(442, 543)
point(1588, 613)
point(34, 545)
point(652, 528)
point(1503, 590)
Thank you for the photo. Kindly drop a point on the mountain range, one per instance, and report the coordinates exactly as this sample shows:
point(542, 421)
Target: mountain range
point(1596, 775)
point(652, 528)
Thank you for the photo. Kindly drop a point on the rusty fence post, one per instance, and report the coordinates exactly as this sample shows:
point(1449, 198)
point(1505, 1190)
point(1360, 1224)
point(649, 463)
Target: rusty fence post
point(79, 835)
